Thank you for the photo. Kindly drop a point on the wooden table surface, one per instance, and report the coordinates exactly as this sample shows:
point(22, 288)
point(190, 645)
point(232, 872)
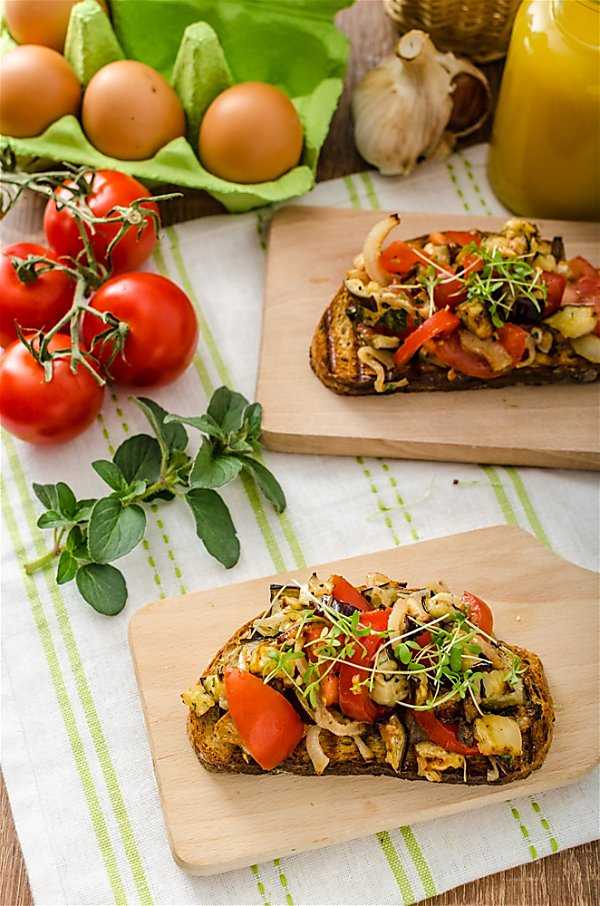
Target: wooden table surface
point(570, 878)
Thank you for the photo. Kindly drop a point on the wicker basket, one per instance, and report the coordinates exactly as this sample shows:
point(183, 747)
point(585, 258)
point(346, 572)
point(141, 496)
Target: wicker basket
point(479, 29)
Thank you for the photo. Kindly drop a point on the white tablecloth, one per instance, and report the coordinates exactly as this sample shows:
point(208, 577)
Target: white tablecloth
point(74, 747)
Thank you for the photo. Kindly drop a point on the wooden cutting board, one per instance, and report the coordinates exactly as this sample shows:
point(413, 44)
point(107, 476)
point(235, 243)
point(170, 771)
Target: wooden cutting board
point(310, 250)
point(218, 822)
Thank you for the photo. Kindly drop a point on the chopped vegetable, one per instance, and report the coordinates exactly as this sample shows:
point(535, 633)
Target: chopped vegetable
point(498, 735)
point(442, 322)
point(442, 734)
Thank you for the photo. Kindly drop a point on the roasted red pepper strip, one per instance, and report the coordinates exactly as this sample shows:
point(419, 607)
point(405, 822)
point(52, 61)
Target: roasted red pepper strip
point(346, 593)
point(458, 237)
point(480, 613)
point(514, 340)
point(442, 322)
point(356, 702)
point(450, 291)
point(441, 734)
point(450, 351)
point(399, 258)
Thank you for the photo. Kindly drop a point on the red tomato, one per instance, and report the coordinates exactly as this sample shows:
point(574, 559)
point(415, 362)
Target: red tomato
point(458, 237)
point(424, 638)
point(355, 701)
point(586, 291)
point(36, 305)
point(514, 340)
point(346, 593)
point(480, 613)
point(46, 412)
point(443, 321)
point(399, 258)
point(555, 284)
point(109, 188)
point(451, 353)
point(470, 264)
point(442, 734)
point(162, 335)
point(450, 292)
point(267, 723)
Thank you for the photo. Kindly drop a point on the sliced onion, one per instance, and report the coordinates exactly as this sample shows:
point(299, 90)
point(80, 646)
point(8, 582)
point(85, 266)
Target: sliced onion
point(397, 618)
point(493, 352)
point(363, 748)
point(372, 249)
point(315, 752)
point(327, 721)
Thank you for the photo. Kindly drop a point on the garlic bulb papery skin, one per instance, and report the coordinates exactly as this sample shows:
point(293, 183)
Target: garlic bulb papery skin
point(402, 107)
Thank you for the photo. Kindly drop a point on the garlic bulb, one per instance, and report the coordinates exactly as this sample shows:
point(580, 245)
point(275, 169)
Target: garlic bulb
point(405, 107)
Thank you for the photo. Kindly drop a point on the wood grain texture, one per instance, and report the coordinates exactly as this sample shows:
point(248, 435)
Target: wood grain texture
point(310, 249)
point(536, 598)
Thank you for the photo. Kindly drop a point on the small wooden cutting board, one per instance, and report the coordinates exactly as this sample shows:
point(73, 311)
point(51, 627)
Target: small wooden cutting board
point(310, 250)
point(218, 822)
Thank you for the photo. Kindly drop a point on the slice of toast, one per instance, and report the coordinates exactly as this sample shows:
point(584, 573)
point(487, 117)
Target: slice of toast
point(551, 359)
point(219, 751)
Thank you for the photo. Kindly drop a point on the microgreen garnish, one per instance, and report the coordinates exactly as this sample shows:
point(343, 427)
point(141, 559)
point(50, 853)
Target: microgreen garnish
point(90, 534)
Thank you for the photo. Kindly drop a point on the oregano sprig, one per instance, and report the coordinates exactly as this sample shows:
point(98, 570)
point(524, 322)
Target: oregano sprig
point(88, 535)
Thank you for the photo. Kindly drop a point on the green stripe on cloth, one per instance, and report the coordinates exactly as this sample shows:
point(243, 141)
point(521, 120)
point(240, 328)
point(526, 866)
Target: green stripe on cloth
point(352, 193)
point(457, 187)
point(224, 375)
point(284, 882)
point(546, 825)
point(260, 885)
point(524, 832)
point(400, 500)
point(501, 495)
point(416, 854)
point(471, 177)
point(395, 863)
point(81, 764)
point(370, 190)
point(82, 686)
point(380, 504)
point(532, 516)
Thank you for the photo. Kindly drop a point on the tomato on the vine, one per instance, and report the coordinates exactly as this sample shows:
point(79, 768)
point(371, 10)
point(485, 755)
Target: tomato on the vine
point(109, 189)
point(162, 329)
point(35, 304)
point(46, 412)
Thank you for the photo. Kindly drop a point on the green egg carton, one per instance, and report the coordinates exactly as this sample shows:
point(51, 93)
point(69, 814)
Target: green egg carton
point(202, 47)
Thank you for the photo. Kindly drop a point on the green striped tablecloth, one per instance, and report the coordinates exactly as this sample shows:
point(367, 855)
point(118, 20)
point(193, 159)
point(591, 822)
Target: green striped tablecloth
point(75, 754)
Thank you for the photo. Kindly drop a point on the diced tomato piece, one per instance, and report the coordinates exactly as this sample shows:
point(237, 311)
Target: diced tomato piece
point(442, 734)
point(555, 284)
point(471, 264)
point(480, 613)
point(399, 257)
point(366, 649)
point(267, 723)
point(450, 292)
point(355, 701)
point(514, 340)
point(423, 638)
point(442, 322)
point(346, 593)
point(451, 353)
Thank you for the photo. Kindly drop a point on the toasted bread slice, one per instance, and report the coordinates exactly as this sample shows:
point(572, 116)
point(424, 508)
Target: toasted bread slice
point(220, 751)
point(551, 359)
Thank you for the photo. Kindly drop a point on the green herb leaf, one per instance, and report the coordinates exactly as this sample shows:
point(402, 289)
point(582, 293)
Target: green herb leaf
point(253, 420)
point(67, 567)
point(103, 587)
point(51, 519)
point(170, 434)
point(227, 409)
point(456, 658)
point(84, 508)
point(138, 458)
point(47, 495)
point(67, 504)
point(110, 473)
point(214, 526)
point(210, 471)
point(266, 482)
point(203, 423)
point(114, 530)
point(402, 652)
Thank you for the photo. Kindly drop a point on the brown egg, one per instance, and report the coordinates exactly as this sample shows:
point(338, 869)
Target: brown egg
point(130, 111)
point(250, 133)
point(37, 87)
point(40, 21)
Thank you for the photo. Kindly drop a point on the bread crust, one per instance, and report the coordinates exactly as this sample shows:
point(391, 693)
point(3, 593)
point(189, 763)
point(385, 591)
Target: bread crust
point(219, 756)
point(334, 360)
